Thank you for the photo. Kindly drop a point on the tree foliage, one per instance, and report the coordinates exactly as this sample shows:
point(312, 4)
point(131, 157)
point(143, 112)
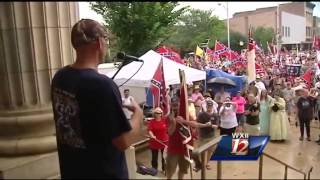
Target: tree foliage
point(235, 39)
point(261, 35)
point(194, 28)
point(138, 26)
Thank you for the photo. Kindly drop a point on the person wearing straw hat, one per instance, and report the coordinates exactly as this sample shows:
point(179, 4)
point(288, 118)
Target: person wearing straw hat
point(252, 110)
point(157, 129)
point(305, 113)
point(196, 95)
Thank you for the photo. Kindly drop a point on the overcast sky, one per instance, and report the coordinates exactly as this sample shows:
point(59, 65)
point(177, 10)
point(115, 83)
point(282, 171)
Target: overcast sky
point(220, 11)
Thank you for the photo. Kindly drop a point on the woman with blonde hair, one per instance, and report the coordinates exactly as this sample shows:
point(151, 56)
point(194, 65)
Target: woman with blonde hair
point(157, 129)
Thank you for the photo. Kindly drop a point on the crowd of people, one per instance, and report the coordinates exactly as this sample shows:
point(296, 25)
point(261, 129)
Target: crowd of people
point(265, 106)
point(93, 131)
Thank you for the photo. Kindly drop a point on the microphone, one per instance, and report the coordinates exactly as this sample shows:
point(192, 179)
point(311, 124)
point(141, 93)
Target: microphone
point(123, 56)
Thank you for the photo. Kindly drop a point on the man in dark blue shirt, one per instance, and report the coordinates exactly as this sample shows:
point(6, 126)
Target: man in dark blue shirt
point(91, 127)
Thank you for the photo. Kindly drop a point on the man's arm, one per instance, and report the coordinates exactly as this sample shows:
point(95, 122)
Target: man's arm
point(172, 125)
point(193, 123)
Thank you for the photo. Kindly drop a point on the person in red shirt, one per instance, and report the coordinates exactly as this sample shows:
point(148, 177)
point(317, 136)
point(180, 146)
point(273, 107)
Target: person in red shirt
point(157, 130)
point(176, 149)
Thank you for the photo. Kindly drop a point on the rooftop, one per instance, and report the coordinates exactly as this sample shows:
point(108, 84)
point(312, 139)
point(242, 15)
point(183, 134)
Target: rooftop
point(259, 10)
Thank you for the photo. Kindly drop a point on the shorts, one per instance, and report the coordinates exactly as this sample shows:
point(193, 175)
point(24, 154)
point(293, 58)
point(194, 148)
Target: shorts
point(240, 119)
point(201, 142)
point(176, 159)
point(252, 130)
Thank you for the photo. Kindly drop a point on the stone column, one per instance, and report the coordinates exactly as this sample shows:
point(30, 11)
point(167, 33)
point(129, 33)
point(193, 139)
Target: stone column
point(34, 44)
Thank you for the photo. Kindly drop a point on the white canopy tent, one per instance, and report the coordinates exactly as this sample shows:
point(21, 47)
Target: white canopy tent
point(151, 61)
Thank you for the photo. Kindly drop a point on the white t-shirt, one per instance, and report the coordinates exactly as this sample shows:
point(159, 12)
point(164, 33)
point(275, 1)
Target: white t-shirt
point(228, 119)
point(127, 101)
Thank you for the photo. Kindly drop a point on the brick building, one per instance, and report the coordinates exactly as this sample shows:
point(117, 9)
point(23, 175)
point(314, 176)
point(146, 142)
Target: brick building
point(296, 22)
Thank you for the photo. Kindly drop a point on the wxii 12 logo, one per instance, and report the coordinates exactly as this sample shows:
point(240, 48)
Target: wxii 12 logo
point(240, 146)
point(240, 143)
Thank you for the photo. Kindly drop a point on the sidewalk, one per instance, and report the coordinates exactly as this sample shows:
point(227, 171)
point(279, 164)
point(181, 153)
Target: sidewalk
point(299, 154)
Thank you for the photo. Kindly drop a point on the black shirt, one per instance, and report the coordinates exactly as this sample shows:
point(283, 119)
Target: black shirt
point(305, 108)
point(203, 118)
point(252, 120)
point(88, 115)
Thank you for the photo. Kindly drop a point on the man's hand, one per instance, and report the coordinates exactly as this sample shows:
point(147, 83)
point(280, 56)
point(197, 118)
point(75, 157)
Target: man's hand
point(153, 137)
point(247, 112)
point(180, 119)
point(214, 126)
point(208, 124)
point(134, 107)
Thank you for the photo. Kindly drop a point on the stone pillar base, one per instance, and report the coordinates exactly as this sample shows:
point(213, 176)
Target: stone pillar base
point(27, 132)
point(30, 167)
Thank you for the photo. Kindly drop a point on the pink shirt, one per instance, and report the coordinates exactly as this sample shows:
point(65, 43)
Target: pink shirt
point(240, 101)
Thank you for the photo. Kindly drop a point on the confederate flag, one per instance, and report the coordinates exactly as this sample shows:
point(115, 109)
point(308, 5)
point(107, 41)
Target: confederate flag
point(221, 50)
point(170, 54)
point(316, 43)
point(260, 70)
point(307, 78)
point(158, 89)
point(212, 56)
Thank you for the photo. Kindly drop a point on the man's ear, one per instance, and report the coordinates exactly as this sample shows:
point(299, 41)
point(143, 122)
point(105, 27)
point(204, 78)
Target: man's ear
point(99, 43)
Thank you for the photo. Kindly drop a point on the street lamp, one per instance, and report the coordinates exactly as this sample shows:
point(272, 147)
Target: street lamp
point(227, 8)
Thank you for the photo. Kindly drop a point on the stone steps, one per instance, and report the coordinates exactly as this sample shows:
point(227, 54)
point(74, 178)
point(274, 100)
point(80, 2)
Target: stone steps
point(29, 167)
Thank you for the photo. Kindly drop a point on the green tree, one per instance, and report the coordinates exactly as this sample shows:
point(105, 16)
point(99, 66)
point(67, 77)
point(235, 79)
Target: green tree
point(261, 35)
point(194, 28)
point(235, 39)
point(138, 26)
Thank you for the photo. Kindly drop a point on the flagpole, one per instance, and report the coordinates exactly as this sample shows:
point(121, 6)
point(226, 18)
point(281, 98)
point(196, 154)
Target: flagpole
point(183, 94)
point(251, 68)
point(278, 33)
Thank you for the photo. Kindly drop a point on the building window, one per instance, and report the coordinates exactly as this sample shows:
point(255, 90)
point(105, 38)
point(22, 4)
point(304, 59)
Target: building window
point(288, 31)
point(282, 32)
point(308, 31)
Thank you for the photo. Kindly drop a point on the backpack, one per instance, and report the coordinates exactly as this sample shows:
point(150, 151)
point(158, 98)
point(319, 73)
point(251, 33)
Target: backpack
point(142, 169)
